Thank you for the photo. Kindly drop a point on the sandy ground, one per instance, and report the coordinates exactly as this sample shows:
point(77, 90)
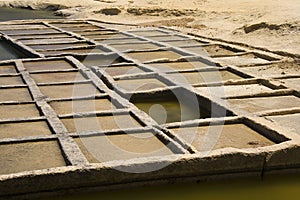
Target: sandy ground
point(274, 24)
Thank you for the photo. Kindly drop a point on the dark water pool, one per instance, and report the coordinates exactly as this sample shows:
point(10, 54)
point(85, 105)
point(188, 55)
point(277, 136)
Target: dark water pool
point(275, 188)
point(7, 14)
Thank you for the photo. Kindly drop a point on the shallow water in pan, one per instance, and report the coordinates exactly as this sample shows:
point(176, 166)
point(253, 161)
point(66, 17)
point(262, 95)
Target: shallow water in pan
point(169, 110)
point(8, 52)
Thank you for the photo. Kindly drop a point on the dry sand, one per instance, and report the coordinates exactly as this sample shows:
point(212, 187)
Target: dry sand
point(274, 24)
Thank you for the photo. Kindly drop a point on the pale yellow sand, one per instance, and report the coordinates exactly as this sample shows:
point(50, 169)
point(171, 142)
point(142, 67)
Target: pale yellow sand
point(274, 24)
